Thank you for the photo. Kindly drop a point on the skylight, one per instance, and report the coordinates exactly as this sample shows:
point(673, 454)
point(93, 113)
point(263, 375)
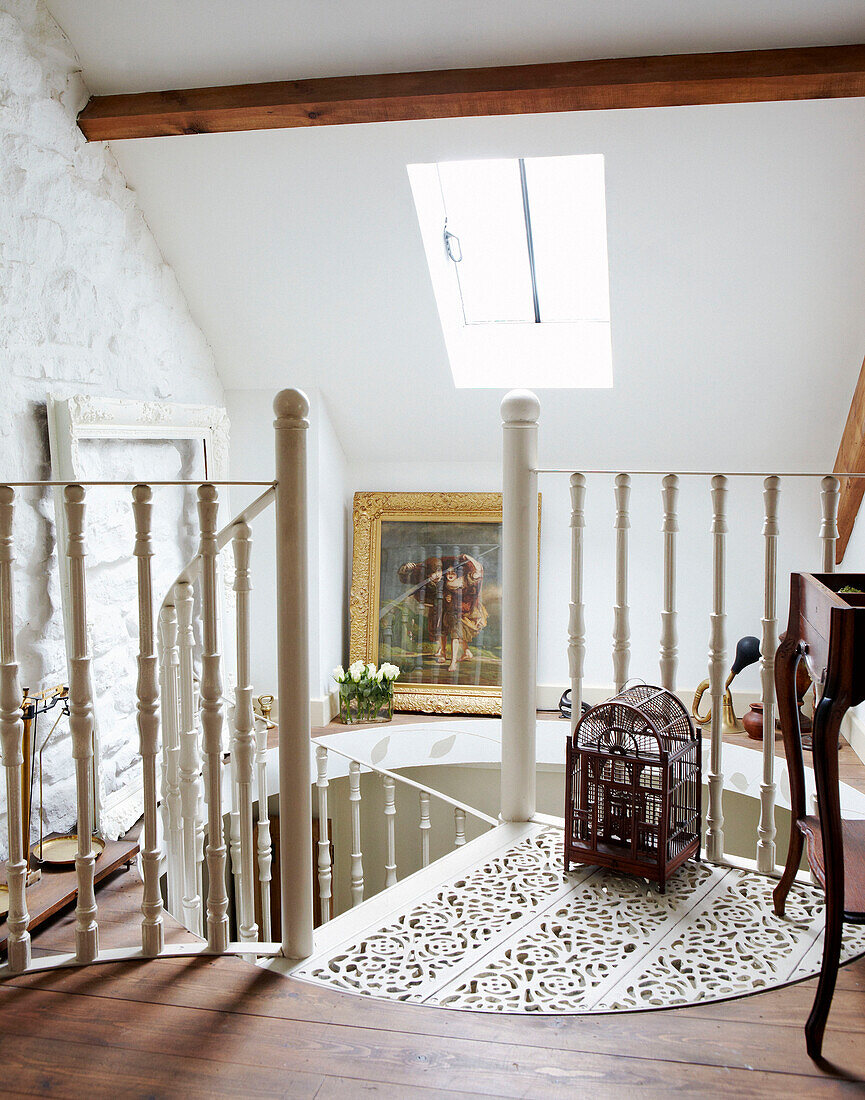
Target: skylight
point(517, 252)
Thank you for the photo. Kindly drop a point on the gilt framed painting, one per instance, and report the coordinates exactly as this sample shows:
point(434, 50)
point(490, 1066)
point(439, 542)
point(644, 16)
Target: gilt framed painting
point(426, 595)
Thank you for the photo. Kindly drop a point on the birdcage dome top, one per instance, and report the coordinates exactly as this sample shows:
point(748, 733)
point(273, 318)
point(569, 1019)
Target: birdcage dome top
point(642, 722)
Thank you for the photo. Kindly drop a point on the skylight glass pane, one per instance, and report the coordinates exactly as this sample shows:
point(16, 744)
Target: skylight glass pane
point(569, 231)
point(484, 206)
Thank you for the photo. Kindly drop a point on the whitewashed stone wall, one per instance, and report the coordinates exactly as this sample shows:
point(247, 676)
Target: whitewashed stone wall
point(87, 304)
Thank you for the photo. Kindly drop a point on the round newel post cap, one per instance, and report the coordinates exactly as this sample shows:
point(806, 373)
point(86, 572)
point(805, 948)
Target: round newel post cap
point(520, 407)
point(291, 405)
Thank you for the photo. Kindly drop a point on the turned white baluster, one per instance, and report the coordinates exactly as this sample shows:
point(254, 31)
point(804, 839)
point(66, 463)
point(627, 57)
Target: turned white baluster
point(768, 645)
point(11, 743)
point(152, 936)
point(263, 829)
point(356, 850)
point(203, 801)
point(211, 722)
point(459, 827)
point(390, 829)
point(234, 860)
point(324, 870)
point(190, 759)
point(829, 524)
point(669, 637)
point(621, 624)
point(172, 809)
point(717, 666)
point(244, 733)
point(577, 616)
point(425, 826)
point(81, 728)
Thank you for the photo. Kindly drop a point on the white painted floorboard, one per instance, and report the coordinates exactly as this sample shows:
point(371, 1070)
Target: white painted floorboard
point(498, 926)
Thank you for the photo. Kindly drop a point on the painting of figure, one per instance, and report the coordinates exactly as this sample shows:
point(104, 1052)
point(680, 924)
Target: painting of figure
point(427, 596)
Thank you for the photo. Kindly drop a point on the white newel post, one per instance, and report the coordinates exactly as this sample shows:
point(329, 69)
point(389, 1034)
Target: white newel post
point(669, 637)
point(577, 611)
point(621, 614)
point(81, 727)
point(211, 722)
point(520, 411)
point(717, 664)
point(152, 936)
point(768, 645)
point(244, 733)
point(11, 743)
point(295, 800)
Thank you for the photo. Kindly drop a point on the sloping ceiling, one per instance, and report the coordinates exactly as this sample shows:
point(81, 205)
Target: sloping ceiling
point(736, 233)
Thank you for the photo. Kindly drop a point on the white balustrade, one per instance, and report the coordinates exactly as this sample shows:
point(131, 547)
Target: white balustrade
point(425, 826)
point(768, 645)
point(389, 787)
point(191, 793)
point(11, 743)
point(172, 807)
point(212, 721)
point(717, 666)
point(325, 874)
point(669, 661)
point(81, 728)
point(244, 733)
point(356, 849)
point(829, 525)
point(577, 612)
point(621, 619)
point(459, 826)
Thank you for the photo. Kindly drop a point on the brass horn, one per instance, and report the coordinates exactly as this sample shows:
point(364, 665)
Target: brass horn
point(747, 652)
point(729, 722)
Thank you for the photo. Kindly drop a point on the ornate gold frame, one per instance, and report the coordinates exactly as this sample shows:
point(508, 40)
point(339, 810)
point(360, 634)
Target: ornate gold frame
point(370, 510)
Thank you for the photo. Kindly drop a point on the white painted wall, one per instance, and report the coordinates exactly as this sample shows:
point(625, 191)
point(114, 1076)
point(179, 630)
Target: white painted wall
point(87, 305)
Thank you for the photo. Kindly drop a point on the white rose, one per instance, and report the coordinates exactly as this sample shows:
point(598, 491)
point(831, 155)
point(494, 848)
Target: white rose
point(356, 670)
point(370, 670)
point(339, 674)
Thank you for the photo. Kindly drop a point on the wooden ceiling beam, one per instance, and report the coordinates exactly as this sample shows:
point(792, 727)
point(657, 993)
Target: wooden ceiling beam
point(851, 458)
point(822, 72)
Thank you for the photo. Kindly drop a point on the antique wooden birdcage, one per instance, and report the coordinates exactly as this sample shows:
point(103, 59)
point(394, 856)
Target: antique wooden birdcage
point(632, 785)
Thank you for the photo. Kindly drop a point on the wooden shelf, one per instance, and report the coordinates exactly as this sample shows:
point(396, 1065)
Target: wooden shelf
point(58, 886)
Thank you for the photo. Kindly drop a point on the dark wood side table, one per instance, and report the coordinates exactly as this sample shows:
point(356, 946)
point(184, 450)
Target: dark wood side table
point(827, 630)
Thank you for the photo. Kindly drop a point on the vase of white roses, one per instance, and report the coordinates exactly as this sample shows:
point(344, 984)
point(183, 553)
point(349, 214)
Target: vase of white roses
point(366, 692)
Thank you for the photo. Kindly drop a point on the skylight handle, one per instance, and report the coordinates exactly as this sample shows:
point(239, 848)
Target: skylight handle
point(449, 247)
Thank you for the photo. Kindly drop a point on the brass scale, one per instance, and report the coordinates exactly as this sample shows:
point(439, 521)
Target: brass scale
point(55, 851)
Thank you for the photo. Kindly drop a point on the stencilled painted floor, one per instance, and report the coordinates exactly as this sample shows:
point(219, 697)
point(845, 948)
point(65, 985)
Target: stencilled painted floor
point(515, 933)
